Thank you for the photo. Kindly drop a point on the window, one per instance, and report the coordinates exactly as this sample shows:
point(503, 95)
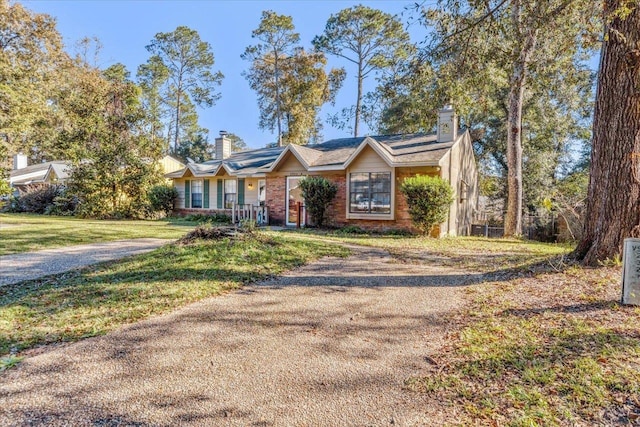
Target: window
point(370, 193)
point(196, 194)
point(230, 190)
point(262, 191)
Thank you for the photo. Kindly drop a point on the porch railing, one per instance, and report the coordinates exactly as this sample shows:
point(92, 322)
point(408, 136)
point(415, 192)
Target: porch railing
point(259, 214)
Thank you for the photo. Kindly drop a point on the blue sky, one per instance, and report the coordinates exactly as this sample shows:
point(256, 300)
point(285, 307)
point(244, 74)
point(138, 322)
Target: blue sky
point(126, 27)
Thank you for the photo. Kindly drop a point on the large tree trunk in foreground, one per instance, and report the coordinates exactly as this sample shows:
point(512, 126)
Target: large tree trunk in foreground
point(613, 203)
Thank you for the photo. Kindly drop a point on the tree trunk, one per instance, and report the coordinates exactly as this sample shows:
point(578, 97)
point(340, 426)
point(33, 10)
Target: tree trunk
point(613, 201)
point(513, 219)
point(175, 139)
point(278, 119)
point(358, 101)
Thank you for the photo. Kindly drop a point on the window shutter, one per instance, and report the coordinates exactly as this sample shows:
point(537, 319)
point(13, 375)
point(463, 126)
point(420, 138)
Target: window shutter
point(187, 194)
point(220, 194)
point(205, 195)
point(241, 191)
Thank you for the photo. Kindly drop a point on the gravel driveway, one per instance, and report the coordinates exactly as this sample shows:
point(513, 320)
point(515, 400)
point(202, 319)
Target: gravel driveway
point(329, 344)
point(31, 265)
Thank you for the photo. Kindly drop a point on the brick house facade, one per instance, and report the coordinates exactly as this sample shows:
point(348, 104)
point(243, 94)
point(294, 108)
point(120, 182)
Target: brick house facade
point(368, 172)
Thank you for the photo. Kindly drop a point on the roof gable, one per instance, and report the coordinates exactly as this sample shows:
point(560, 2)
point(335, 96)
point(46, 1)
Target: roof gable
point(418, 149)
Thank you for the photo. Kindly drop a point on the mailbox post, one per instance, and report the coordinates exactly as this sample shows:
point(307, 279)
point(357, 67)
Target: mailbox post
point(631, 272)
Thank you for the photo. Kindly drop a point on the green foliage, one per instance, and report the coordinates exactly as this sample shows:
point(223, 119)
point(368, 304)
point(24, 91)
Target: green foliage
point(36, 232)
point(351, 229)
point(196, 148)
point(248, 225)
point(277, 40)
point(36, 199)
point(568, 200)
point(113, 164)
point(369, 38)
point(177, 77)
point(318, 192)
point(8, 362)
point(64, 204)
point(31, 57)
point(215, 218)
point(291, 83)
point(429, 199)
point(162, 198)
point(471, 60)
point(99, 299)
point(5, 189)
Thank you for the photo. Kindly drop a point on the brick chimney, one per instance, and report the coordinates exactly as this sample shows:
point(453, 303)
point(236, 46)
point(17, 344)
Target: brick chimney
point(223, 146)
point(447, 124)
point(19, 161)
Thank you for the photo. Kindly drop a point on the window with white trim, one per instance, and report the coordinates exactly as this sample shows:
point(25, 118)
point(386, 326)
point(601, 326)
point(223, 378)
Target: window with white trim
point(370, 193)
point(230, 191)
point(196, 194)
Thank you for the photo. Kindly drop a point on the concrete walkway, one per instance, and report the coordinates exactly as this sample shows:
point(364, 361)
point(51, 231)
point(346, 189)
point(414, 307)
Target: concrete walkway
point(32, 265)
point(329, 344)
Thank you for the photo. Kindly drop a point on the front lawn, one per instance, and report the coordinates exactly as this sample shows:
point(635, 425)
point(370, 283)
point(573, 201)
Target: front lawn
point(98, 299)
point(476, 254)
point(28, 232)
point(552, 348)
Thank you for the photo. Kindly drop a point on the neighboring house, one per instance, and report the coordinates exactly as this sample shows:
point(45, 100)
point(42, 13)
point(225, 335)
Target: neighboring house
point(49, 173)
point(58, 172)
point(170, 164)
point(367, 170)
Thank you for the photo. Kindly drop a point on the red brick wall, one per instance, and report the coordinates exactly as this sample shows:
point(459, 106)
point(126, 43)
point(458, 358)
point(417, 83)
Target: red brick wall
point(276, 198)
point(337, 211)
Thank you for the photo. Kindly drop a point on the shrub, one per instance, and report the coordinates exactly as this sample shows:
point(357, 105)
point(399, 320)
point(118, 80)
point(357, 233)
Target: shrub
point(64, 204)
point(37, 199)
point(248, 225)
point(215, 218)
point(429, 199)
point(5, 189)
point(318, 192)
point(162, 198)
point(351, 229)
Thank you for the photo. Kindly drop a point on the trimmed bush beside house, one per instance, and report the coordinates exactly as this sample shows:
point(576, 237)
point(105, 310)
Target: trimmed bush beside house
point(429, 198)
point(162, 198)
point(318, 192)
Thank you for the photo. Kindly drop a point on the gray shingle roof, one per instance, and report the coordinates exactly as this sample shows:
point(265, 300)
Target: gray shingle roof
point(415, 148)
point(401, 149)
point(38, 172)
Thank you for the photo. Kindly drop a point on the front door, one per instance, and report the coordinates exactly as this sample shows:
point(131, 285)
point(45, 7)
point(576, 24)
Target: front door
point(294, 196)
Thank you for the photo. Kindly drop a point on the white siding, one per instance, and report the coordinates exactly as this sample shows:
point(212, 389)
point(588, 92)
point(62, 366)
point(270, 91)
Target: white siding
point(251, 194)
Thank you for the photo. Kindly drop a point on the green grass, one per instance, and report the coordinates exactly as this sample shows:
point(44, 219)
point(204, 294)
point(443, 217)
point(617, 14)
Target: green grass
point(99, 299)
point(477, 254)
point(24, 232)
point(553, 349)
